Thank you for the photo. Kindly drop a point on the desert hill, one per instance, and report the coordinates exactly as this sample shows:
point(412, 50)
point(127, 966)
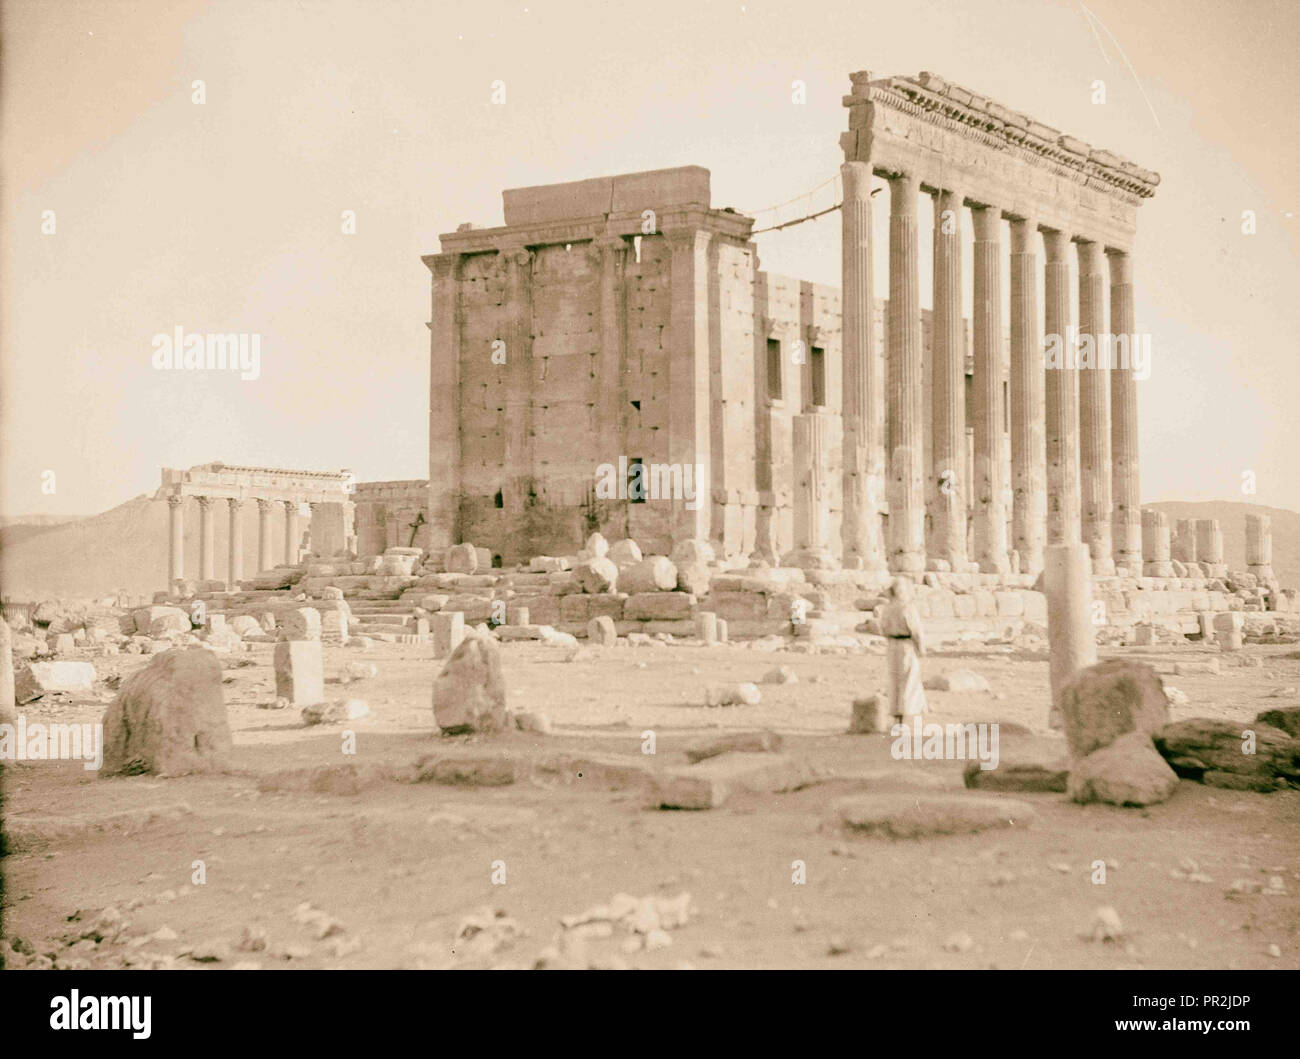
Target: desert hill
point(1232, 520)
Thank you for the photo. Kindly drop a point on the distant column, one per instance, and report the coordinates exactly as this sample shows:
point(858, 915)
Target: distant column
point(175, 539)
point(1094, 410)
point(1126, 492)
point(1028, 414)
point(948, 487)
point(906, 423)
point(444, 406)
point(207, 558)
point(1209, 546)
point(990, 512)
point(1072, 640)
point(235, 565)
point(1156, 544)
point(1259, 546)
point(1061, 396)
point(863, 387)
point(264, 560)
point(290, 532)
point(812, 445)
point(1183, 545)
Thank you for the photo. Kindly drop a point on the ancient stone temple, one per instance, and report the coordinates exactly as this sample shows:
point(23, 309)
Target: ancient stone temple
point(613, 358)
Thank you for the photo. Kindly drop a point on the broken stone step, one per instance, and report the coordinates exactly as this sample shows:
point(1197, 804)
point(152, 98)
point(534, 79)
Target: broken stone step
point(891, 814)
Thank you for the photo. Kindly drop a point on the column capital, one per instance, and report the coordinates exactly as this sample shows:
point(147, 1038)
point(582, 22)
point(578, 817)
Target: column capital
point(1121, 265)
point(443, 266)
point(205, 502)
point(263, 504)
point(1024, 232)
point(1089, 256)
point(237, 502)
point(175, 500)
point(519, 256)
point(987, 223)
point(688, 239)
point(1057, 243)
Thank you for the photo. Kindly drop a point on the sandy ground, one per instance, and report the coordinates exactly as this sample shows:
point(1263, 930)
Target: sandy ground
point(399, 866)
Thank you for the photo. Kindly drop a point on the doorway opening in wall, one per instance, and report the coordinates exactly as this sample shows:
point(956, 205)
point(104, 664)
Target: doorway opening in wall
point(496, 562)
point(499, 500)
point(817, 363)
point(774, 369)
point(636, 486)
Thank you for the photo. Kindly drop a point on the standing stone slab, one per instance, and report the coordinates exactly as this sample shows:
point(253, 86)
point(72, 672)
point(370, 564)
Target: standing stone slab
point(601, 630)
point(448, 632)
point(299, 672)
point(469, 695)
point(168, 718)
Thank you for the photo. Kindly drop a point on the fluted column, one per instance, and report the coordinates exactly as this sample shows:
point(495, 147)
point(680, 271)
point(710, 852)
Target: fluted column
point(264, 560)
point(235, 549)
point(1125, 477)
point(290, 532)
point(948, 488)
point(689, 403)
point(990, 537)
point(1259, 546)
point(1028, 415)
point(1061, 396)
point(905, 409)
point(175, 539)
point(863, 388)
point(812, 444)
point(1156, 544)
point(207, 558)
point(1094, 410)
point(1209, 546)
point(1183, 545)
point(611, 372)
point(444, 406)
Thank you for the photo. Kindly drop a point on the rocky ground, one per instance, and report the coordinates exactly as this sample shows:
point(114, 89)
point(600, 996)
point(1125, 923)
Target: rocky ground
point(420, 850)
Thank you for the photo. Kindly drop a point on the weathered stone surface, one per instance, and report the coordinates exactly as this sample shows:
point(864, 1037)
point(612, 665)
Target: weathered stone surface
point(916, 814)
point(693, 578)
point(469, 695)
point(336, 712)
point(169, 718)
point(1215, 753)
point(1286, 719)
point(781, 675)
point(299, 672)
point(624, 551)
point(596, 547)
point(461, 559)
point(959, 680)
point(734, 695)
point(1127, 771)
point(601, 630)
point(710, 783)
point(870, 716)
point(40, 678)
point(245, 625)
point(655, 574)
point(659, 606)
point(734, 742)
point(596, 575)
point(448, 632)
point(1108, 700)
point(302, 623)
point(706, 627)
point(7, 701)
point(1019, 773)
point(692, 552)
point(158, 621)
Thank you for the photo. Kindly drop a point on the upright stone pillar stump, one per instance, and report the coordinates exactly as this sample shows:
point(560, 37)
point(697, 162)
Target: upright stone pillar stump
point(1072, 643)
point(1259, 547)
point(1156, 544)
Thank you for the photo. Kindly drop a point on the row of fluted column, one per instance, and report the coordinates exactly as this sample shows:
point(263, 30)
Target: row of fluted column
point(1074, 456)
point(235, 552)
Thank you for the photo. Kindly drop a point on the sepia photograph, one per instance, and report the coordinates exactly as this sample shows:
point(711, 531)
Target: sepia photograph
point(678, 486)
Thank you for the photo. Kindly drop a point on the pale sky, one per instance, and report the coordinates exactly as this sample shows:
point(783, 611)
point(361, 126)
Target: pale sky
point(225, 216)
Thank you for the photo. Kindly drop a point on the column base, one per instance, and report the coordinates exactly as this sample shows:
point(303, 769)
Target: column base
point(811, 559)
point(1158, 568)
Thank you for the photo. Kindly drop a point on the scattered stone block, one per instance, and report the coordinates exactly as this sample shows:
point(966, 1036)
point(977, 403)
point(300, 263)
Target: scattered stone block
point(733, 695)
point(168, 718)
point(706, 627)
point(655, 574)
point(624, 552)
point(722, 631)
point(596, 547)
point(1127, 771)
point(532, 721)
point(918, 814)
point(461, 559)
point(870, 716)
point(335, 712)
point(601, 630)
point(781, 675)
point(42, 678)
point(302, 623)
point(693, 578)
point(1216, 753)
point(299, 672)
point(245, 625)
point(659, 606)
point(734, 742)
point(1285, 719)
point(596, 575)
point(712, 782)
point(958, 680)
point(1019, 774)
point(469, 694)
point(1108, 700)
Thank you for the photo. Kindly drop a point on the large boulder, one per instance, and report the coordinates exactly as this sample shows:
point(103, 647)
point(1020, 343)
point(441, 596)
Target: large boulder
point(1231, 754)
point(168, 718)
point(469, 695)
point(656, 574)
point(1127, 771)
point(596, 575)
point(1109, 700)
point(596, 547)
point(156, 621)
